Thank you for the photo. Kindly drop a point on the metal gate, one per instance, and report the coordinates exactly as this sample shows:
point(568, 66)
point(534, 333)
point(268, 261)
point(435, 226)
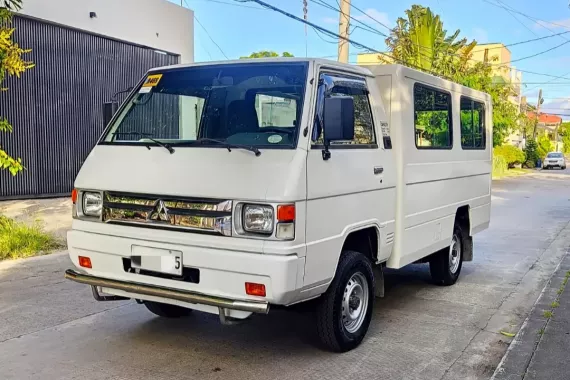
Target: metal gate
point(56, 108)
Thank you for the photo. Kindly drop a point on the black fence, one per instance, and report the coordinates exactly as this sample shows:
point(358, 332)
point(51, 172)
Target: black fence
point(56, 108)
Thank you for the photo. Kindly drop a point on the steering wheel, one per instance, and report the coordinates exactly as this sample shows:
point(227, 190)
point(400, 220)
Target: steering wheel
point(289, 131)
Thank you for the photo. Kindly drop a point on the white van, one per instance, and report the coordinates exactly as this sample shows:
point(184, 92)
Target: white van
point(229, 187)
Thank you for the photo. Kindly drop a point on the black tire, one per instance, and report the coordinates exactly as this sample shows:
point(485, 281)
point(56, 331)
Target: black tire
point(440, 264)
point(564, 168)
point(333, 333)
point(166, 310)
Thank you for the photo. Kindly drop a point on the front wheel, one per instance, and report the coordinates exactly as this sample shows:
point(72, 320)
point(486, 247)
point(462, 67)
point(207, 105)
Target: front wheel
point(445, 265)
point(344, 312)
point(167, 310)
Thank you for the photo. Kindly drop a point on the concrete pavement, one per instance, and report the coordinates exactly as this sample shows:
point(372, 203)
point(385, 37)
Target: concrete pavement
point(540, 349)
point(52, 329)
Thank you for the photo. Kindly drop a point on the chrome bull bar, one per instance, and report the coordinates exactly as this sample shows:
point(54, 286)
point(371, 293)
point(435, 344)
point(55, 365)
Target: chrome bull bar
point(175, 294)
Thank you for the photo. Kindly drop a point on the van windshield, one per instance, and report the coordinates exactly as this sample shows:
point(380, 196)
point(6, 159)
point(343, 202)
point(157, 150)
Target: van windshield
point(254, 104)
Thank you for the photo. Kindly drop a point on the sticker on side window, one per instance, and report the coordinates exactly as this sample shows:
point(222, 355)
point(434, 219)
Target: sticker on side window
point(385, 129)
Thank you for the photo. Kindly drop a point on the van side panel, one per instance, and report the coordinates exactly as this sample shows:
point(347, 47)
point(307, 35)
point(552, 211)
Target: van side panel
point(435, 182)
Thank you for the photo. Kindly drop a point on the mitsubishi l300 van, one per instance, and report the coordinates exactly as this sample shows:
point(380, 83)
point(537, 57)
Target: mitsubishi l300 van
point(228, 188)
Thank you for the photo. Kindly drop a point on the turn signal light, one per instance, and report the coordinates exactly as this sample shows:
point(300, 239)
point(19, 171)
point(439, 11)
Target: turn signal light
point(84, 262)
point(286, 213)
point(254, 289)
point(74, 196)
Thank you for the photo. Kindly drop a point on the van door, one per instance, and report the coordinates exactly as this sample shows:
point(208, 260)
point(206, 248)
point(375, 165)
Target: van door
point(355, 187)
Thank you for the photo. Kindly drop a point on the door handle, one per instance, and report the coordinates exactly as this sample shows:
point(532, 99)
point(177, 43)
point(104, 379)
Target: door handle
point(378, 170)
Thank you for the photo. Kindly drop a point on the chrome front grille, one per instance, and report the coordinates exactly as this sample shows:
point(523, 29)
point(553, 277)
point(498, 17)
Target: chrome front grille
point(193, 215)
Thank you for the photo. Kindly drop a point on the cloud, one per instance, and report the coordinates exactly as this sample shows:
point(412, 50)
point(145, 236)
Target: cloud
point(559, 24)
point(330, 20)
point(480, 35)
point(370, 16)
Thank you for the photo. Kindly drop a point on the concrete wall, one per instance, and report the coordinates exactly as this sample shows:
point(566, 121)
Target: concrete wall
point(159, 24)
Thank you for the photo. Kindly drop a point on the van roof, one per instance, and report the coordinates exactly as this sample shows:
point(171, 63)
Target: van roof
point(370, 70)
point(318, 61)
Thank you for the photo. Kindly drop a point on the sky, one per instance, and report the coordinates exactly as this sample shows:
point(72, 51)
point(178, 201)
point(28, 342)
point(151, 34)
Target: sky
point(233, 29)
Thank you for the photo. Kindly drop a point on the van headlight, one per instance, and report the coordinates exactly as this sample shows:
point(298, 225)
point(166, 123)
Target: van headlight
point(92, 204)
point(256, 219)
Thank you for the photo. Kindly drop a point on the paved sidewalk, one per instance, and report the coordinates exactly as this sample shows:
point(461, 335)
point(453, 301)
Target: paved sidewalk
point(53, 215)
point(540, 349)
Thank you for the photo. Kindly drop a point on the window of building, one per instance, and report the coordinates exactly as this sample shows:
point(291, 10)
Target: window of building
point(472, 124)
point(432, 116)
point(363, 124)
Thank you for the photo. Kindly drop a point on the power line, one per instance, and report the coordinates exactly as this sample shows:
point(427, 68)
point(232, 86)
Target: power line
point(364, 26)
point(208, 34)
point(540, 53)
point(332, 34)
point(233, 4)
point(362, 46)
point(526, 15)
point(370, 17)
point(322, 38)
point(510, 12)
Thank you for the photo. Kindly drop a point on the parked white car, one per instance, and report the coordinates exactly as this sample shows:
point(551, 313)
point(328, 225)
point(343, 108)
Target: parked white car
point(230, 187)
point(554, 160)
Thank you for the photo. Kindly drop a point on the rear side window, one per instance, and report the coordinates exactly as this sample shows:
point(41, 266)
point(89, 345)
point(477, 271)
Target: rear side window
point(432, 116)
point(472, 124)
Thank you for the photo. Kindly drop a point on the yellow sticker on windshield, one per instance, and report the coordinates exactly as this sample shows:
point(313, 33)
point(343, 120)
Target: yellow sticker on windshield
point(152, 80)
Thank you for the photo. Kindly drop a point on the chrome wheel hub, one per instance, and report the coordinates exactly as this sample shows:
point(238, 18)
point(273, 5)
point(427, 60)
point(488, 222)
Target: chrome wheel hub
point(454, 254)
point(355, 302)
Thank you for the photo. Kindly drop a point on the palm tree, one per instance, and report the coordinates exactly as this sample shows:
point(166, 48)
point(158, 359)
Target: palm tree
point(420, 41)
point(11, 5)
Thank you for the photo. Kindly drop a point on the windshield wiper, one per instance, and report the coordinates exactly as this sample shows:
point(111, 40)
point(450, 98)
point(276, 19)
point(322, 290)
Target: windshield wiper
point(229, 146)
point(166, 146)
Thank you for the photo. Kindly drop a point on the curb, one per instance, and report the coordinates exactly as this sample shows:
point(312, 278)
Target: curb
point(517, 358)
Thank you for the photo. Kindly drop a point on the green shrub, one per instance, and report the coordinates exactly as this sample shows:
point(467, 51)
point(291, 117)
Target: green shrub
point(20, 240)
point(512, 154)
point(544, 146)
point(531, 154)
point(499, 166)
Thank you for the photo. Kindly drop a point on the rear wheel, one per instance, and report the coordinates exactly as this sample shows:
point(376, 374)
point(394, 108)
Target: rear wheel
point(446, 264)
point(344, 312)
point(166, 310)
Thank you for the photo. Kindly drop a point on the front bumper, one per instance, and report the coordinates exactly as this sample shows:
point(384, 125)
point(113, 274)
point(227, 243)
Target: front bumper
point(222, 272)
point(169, 293)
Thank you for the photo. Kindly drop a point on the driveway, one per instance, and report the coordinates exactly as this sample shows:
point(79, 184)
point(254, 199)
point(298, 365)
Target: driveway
point(52, 328)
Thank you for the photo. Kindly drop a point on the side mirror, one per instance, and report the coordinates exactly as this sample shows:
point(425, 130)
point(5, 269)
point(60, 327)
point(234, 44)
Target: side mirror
point(109, 109)
point(338, 119)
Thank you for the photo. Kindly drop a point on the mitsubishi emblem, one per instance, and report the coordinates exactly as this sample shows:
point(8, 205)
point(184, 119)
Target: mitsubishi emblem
point(159, 213)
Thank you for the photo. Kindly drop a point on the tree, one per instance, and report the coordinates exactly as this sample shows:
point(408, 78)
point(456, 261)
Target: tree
point(421, 42)
point(12, 64)
point(267, 54)
point(564, 132)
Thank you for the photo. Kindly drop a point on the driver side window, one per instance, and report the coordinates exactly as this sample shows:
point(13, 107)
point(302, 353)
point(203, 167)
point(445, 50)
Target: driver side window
point(364, 133)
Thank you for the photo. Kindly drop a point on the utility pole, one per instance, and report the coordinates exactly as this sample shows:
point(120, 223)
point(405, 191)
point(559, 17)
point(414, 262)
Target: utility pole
point(343, 27)
point(538, 103)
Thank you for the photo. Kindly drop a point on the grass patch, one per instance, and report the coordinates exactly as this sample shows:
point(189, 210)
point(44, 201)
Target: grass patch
point(19, 240)
point(511, 173)
point(554, 304)
point(547, 313)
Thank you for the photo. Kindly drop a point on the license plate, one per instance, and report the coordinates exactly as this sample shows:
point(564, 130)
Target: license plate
point(156, 260)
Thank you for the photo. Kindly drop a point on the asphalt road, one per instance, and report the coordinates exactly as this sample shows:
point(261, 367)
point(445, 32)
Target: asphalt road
point(51, 328)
